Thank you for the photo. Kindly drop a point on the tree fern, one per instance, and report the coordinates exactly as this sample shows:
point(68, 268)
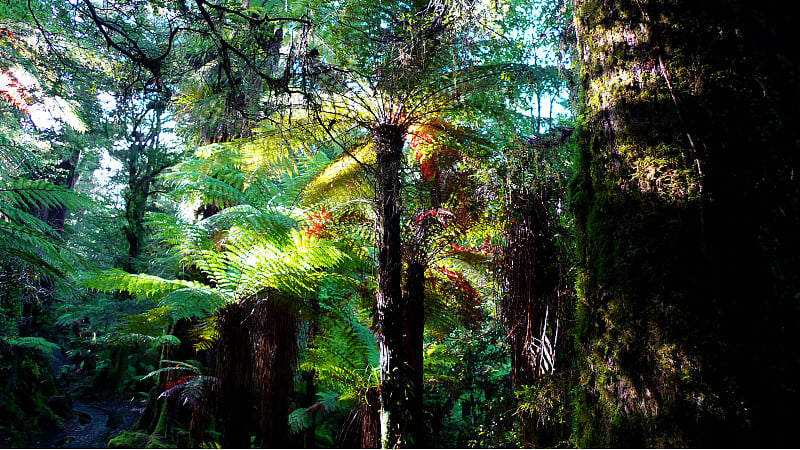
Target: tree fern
point(251, 246)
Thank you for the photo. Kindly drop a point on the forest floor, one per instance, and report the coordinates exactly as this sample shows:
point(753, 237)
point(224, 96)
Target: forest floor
point(94, 424)
point(95, 421)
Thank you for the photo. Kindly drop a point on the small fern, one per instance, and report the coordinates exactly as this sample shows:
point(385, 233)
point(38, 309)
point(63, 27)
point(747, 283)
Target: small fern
point(301, 418)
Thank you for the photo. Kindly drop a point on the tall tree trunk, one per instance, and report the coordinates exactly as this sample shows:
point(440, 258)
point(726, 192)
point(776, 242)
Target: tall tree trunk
point(135, 206)
point(415, 328)
point(686, 190)
point(399, 394)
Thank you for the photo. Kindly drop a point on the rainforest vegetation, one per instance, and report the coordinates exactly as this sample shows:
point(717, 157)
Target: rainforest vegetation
point(399, 223)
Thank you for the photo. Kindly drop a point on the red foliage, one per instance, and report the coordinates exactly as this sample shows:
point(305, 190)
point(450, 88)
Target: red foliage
point(429, 169)
point(429, 157)
point(319, 221)
point(13, 92)
point(6, 33)
point(469, 300)
point(180, 380)
point(421, 138)
point(420, 217)
point(487, 248)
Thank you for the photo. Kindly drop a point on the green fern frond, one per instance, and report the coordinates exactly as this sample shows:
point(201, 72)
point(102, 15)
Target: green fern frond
point(39, 344)
point(209, 190)
point(263, 150)
point(173, 366)
point(142, 285)
point(327, 402)
point(343, 177)
point(452, 296)
point(25, 194)
point(277, 222)
point(149, 328)
point(33, 247)
point(439, 362)
point(12, 214)
point(345, 356)
point(440, 313)
point(26, 237)
point(184, 236)
point(299, 420)
point(192, 303)
point(205, 333)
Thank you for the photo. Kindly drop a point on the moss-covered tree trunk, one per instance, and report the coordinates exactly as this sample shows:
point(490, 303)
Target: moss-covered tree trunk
point(687, 207)
point(400, 390)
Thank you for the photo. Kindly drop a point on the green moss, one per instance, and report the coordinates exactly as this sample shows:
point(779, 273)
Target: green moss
point(134, 439)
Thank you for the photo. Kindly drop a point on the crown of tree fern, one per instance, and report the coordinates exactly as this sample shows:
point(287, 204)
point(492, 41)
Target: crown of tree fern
point(251, 246)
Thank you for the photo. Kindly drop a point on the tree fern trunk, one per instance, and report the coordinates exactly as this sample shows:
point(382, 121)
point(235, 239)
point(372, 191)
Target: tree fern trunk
point(237, 413)
point(256, 358)
point(415, 327)
point(531, 280)
point(275, 328)
point(398, 391)
point(686, 188)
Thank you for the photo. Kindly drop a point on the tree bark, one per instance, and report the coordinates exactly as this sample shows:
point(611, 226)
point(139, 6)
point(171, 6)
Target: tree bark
point(256, 359)
point(135, 206)
point(275, 331)
point(237, 412)
point(414, 328)
point(530, 269)
point(399, 393)
point(685, 193)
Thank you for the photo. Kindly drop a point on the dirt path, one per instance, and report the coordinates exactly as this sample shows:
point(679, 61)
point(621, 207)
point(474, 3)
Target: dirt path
point(94, 424)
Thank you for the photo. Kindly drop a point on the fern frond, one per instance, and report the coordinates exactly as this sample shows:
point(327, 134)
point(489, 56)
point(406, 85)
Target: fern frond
point(38, 250)
point(26, 194)
point(25, 236)
point(42, 345)
point(141, 285)
point(173, 366)
point(183, 235)
point(451, 297)
point(205, 333)
point(343, 177)
point(209, 190)
point(345, 356)
point(438, 364)
point(327, 402)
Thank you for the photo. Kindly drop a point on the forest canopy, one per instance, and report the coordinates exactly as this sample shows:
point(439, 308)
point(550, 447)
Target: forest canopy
point(417, 223)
